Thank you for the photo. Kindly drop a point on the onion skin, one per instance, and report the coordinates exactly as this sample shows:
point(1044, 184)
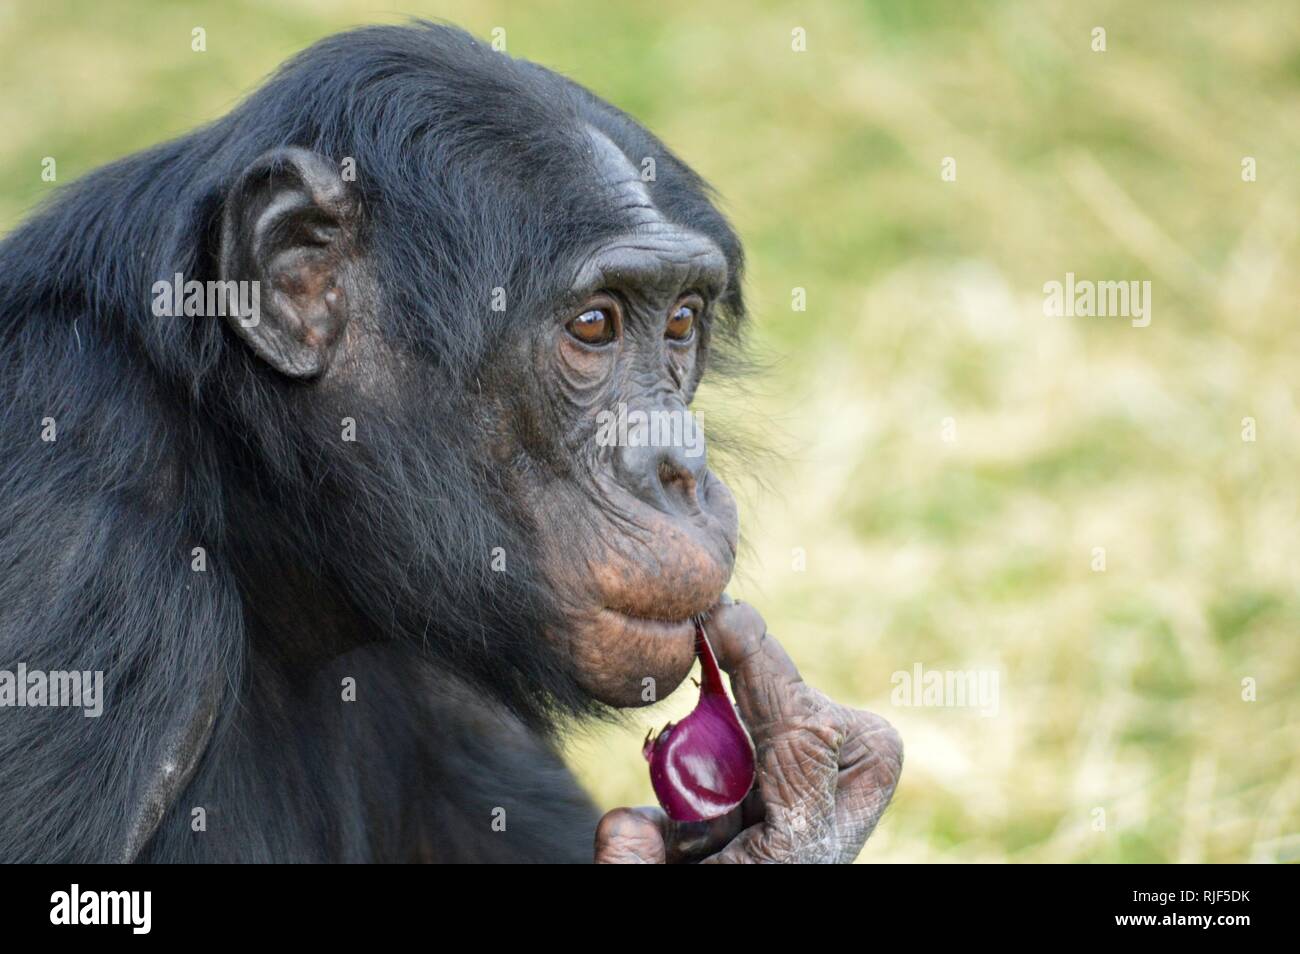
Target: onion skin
point(703, 766)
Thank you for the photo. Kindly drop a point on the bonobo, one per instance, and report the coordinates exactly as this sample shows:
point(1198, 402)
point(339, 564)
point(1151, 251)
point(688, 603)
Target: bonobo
point(346, 551)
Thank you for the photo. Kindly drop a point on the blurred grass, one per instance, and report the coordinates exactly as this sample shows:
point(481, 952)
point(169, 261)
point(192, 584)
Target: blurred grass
point(1120, 690)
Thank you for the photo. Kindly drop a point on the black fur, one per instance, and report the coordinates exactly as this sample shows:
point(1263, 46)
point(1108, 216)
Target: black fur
point(324, 560)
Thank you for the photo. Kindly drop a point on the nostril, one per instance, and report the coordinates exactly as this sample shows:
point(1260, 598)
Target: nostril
point(664, 478)
point(677, 481)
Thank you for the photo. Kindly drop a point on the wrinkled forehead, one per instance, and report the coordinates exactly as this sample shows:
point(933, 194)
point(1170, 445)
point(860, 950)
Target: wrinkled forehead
point(619, 179)
point(651, 247)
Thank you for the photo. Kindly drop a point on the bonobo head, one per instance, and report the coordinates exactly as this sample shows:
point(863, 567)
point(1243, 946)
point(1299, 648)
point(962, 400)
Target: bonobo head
point(572, 290)
point(468, 268)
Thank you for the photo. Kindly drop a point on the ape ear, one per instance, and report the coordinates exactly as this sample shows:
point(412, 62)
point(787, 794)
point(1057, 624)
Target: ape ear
point(288, 225)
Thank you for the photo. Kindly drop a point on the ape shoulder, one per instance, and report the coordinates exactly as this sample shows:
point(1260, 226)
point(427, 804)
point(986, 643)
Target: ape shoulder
point(375, 756)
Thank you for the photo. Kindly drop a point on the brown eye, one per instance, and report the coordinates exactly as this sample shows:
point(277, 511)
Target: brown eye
point(594, 326)
point(681, 322)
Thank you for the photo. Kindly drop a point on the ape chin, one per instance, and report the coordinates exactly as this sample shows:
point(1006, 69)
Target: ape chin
point(302, 455)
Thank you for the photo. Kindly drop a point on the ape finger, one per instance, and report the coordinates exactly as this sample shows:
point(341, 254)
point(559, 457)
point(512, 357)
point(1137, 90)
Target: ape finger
point(625, 836)
point(871, 761)
point(825, 772)
point(630, 836)
point(769, 691)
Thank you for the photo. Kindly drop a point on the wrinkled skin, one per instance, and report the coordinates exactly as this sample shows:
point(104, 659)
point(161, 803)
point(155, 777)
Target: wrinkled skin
point(825, 772)
point(659, 546)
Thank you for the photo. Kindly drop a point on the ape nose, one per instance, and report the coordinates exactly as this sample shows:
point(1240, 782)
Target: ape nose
point(663, 477)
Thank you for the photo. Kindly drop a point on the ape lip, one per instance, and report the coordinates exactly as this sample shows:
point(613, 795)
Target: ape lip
point(665, 626)
point(665, 621)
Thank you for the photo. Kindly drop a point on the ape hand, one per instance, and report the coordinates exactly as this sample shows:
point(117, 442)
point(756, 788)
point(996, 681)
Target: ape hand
point(825, 772)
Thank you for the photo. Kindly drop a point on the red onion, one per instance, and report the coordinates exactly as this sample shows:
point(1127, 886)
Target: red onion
point(703, 766)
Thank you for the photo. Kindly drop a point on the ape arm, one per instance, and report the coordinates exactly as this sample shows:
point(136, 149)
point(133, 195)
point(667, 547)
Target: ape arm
point(414, 766)
point(179, 759)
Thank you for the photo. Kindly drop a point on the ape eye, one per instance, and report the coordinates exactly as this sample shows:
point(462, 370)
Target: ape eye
point(594, 326)
point(681, 322)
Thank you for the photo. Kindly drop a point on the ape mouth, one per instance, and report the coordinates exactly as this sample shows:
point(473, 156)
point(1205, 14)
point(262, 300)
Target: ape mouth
point(627, 659)
point(668, 615)
point(652, 625)
point(630, 598)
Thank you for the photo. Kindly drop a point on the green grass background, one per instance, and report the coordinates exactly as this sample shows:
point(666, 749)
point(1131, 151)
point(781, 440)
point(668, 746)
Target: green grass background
point(1120, 690)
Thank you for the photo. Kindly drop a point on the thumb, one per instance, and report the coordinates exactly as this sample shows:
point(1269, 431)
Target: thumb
point(630, 836)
